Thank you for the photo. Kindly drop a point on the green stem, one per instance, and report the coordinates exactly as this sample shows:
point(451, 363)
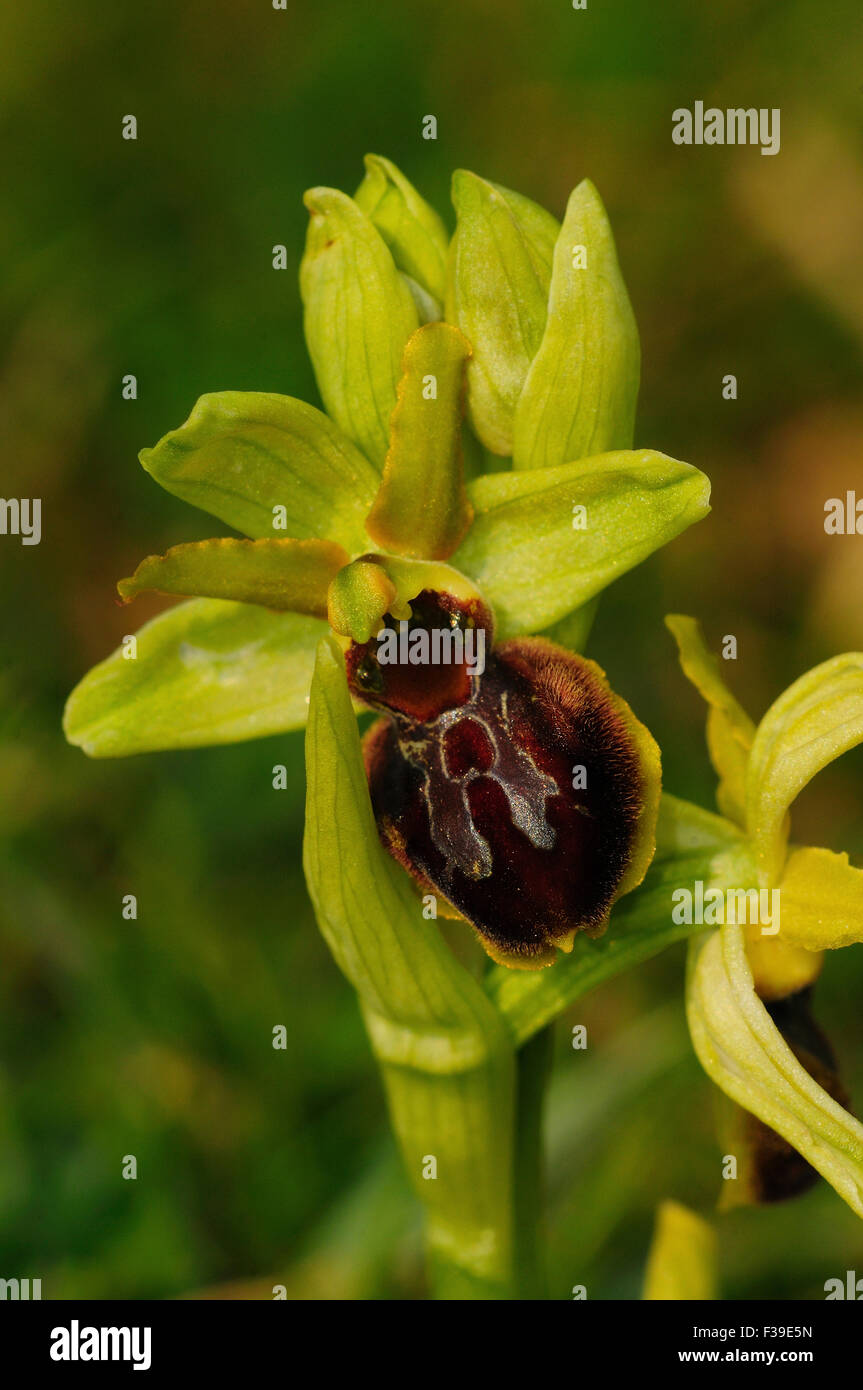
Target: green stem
point(534, 1068)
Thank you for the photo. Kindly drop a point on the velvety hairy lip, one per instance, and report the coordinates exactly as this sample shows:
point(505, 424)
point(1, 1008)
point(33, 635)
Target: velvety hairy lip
point(518, 794)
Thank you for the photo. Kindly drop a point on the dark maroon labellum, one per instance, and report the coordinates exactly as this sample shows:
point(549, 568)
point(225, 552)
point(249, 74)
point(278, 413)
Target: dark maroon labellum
point(525, 795)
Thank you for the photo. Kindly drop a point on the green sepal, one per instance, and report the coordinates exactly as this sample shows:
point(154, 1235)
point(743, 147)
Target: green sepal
point(580, 393)
point(743, 1052)
point(497, 293)
point(815, 720)
point(413, 231)
point(205, 672)
point(534, 568)
point(359, 313)
point(421, 509)
point(268, 465)
point(285, 575)
point(730, 731)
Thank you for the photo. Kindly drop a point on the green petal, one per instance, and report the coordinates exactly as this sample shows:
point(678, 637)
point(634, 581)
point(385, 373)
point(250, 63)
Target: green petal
point(497, 293)
point(580, 393)
point(682, 1263)
point(243, 454)
point(422, 509)
point(730, 731)
point(822, 900)
point(817, 718)
point(290, 576)
point(446, 1058)
point(359, 313)
point(359, 597)
point(205, 672)
point(743, 1052)
point(413, 231)
point(364, 591)
point(533, 567)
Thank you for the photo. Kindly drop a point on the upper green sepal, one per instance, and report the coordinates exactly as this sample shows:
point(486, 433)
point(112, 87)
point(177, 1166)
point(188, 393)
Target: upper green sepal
point(497, 293)
point(359, 313)
point(580, 393)
point(268, 465)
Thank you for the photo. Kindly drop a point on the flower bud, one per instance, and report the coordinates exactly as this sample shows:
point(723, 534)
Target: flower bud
point(359, 313)
point(499, 275)
point(413, 231)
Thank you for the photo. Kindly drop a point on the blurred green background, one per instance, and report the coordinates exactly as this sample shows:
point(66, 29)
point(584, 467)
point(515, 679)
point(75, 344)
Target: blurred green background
point(153, 1037)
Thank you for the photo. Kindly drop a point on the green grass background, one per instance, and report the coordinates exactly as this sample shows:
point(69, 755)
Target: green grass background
point(153, 1037)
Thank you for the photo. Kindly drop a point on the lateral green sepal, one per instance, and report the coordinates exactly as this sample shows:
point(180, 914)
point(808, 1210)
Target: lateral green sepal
point(544, 542)
point(205, 672)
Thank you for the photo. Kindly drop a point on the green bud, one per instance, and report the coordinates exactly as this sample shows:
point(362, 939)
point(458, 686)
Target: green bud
point(497, 294)
point(359, 313)
point(682, 1264)
point(413, 231)
point(580, 393)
